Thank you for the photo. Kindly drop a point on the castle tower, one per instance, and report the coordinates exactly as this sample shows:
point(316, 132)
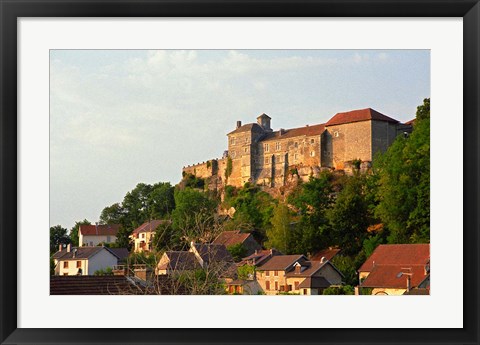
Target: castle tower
point(264, 122)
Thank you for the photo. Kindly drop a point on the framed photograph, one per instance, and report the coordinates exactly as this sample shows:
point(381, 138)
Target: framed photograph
point(201, 163)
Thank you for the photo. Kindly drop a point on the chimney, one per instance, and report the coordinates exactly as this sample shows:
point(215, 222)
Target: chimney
point(239, 124)
point(60, 247)
point(323, 259)
point(96, 227)
point(281, 131)
point(69, 246)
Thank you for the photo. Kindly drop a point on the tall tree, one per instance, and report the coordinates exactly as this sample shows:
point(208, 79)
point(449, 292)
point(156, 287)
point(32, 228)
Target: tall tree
point(349, 217)
point(58, 235)
point(404, 183)
point(74, 231)
point(279, 235)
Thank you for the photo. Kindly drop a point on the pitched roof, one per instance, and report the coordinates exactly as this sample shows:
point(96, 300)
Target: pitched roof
point(328, 254)
point(120, 253)
point(179, 260)
point(314, 282)
point(259, 257)
point(93, 285)
point(397, 254)
point(230, 238)
point(149, 226)
point(213, 252)
point(411, 122)
point(281, 262)
point(358, 115)
point(79, 252)
point(386, 276)
point(295, 132)
point(100, 230)
point(264, 115)
point(311, 267)
point(255, 127)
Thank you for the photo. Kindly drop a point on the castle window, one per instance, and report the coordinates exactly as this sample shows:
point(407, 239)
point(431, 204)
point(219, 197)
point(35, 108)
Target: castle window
point(295, 156)
point(335, 134)
point(267, 160)
point(278, 146)
point(232, 141)
point(296, 144)
point(246, 149)
point(312, 154)
point(266, 148)
point(312, 141)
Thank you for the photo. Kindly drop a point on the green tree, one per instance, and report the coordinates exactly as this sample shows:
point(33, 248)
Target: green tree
point(74, 231)
point(194, 212)
point(347, 266)
point(58, 235)
point(113, 214)
point(165, 238)
point(349, 217)
point(339, 290)
point(237, 251)
point(404, 184)
point(279, 235)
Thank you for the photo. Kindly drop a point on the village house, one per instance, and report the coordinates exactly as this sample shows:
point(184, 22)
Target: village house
point(143, 235)
point(232, 238)
point(173, 262)
point(258, 154)
point(93, 235)
point(296, 274)
point(394, 269)
point(259, 257)
point(83, 260)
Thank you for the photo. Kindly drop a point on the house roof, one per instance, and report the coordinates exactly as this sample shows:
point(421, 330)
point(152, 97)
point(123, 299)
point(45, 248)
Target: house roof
point(328, 254)
point(311, 267)
point(100, 230)
point(80, 253)
point(411, 122)
point(357, 116)
point(295, 132)
point(281, 262)
point(230, 238)
point(93, 285)
point(120, 253)
point(255, 127)
point(259, 256)
point(314, 282)
point(213, 252)
point(149, 226)
point(386, 276)
point(264, 115)
point(397, 254)
point(180, 260)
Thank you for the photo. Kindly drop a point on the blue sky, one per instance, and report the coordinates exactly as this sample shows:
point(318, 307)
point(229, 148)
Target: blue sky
point(120, 117)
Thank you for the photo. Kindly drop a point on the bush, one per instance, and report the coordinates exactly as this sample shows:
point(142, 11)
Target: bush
point(339, 290)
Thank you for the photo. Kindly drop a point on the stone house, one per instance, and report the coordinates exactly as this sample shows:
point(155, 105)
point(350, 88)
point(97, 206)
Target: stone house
point(93, 235)
point(296, 274)
point(394, 269)
point(83, 260)
point(262, 156)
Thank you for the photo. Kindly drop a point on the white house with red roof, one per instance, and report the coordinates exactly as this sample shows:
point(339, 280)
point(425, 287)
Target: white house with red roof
point(394, 269)
point(93, 235)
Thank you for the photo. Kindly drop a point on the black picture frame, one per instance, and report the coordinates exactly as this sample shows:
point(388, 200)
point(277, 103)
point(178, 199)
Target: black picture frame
point(11, 10)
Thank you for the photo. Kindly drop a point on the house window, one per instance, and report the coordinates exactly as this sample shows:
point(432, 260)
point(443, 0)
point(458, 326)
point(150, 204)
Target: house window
point(79, 264)
point(267, 273)
point(65, 264)
point(143, 235)
point(266, 148)
point(276, 286)
point(65, 274)
point(312, 154)
point(267, 285)
point(305, 291)
point(296, 285)
point(282, 287)
point(232, 141)
point(108, 239)
point(231, 289)
point(275, 273)
point(278, 146)
point(289, 287)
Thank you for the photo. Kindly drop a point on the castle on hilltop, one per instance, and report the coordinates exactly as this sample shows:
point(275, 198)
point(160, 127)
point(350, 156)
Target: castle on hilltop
point(259, 155)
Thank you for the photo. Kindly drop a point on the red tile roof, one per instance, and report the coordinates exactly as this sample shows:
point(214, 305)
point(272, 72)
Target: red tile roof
point(357, 116)
point(296, 132)
point(411, 122)
point(150, 226)
point(385, 276)
point(281, 262)
point(101, 230)
point(230, 238)
point(326, 253)
point(314, 282)
point(397, 254)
